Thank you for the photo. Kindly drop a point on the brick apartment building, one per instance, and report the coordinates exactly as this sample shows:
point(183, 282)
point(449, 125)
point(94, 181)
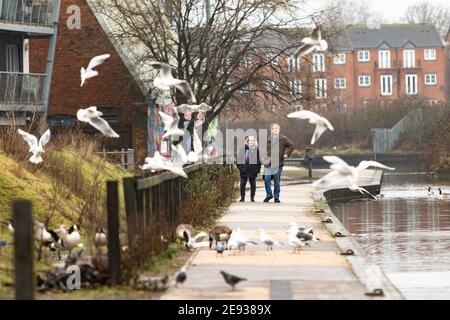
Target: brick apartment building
point(369, 64)
point(116, 91)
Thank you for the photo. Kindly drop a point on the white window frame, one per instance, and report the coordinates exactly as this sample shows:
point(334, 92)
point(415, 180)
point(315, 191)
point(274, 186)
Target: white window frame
point(384, 59)
point(319, 62)
point(432, 101)
point(411, 85)
point(409, 58)
point(429, 54)
point(273, 60)
point(293, 64)
point(429, 76)
point(383, 90)
point(339, 59)
point(295, 86)
point(272, 85)
point(363, 56)
point(363, 83)
point(340, 83)
point(321, 88)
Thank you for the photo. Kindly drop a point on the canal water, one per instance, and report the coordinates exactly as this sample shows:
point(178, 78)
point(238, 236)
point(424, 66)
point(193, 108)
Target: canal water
point(406, 233)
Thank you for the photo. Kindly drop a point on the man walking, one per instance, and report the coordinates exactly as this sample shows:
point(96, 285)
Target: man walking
point(272, 167)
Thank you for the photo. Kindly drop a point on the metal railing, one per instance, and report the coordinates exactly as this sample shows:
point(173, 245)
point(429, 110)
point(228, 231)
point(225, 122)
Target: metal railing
point(125, 158)
point(27, 12)
point(385, 139)
point(21, 89)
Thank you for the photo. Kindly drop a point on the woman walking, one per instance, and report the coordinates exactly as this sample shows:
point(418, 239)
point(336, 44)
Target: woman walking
point(249, 165)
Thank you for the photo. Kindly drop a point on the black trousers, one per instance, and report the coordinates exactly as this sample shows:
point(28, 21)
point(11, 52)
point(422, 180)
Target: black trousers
point(252, 186)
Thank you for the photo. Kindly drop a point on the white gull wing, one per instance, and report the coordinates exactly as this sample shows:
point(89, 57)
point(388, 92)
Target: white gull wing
point(98, 60)
point(166, 119)
point(313, 118)
point(366, 164)
point(29, 138)
point(320, 129)
point(339, 165)
point(45, 138)
point(179, 156)
point(103, 126)
point(331, 179)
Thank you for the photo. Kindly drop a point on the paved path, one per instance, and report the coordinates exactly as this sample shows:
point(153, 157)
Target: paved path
point(318, 272)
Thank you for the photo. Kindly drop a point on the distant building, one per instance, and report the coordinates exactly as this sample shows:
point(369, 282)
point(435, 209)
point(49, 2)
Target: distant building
point(24, 91)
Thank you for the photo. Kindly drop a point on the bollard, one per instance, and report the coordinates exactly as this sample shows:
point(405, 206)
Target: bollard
point(310, 156)
point(23, 250)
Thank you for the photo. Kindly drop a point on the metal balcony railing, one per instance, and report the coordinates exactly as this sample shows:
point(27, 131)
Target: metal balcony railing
point(27, 12)
point(21, 91)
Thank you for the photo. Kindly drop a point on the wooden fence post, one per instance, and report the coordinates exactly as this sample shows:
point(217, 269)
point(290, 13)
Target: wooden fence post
point(23, 250)
point(129, 189)
point(112, 205)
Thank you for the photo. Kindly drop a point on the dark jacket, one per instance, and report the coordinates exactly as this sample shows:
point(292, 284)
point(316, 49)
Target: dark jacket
point(286, 147)
point(252, 166)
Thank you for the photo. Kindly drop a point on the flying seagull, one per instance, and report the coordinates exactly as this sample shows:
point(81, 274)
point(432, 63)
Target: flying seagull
point(314, 42)
point(322, 124)
point(179, 159)
point(171, 125)
point(268, 240)
point(164, 80)
point(192, 108)
point(231, 279)
point(197, 154)
point(36, 148)
point(89, 72)
point(344, 173)
point(93, 117)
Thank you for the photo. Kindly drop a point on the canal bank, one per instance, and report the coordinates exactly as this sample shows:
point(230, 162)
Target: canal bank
point(318, 272)
point(370, 275)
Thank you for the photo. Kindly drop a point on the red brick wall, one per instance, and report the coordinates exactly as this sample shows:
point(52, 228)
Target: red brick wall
point(114, 86)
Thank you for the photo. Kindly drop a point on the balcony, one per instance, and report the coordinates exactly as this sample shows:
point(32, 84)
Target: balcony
point(31, 16)
point(398, 64)
point(22, 91)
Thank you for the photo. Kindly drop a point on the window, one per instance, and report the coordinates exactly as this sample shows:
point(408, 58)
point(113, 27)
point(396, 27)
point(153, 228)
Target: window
point(246, 62)
point(430, 79)
point(386, 85)
point(363, 56)
point(296, 88)
point(321, 88)
point(409, 59)
point(273, 60)
point(411, 84)
point(272, 85)
point(294, 64)
point(364, 81)
point(339, 59)
point(319, 62)
point(430, 54)
point(296, 107)
point(432, 102)
point(111, 114)
point(384, 59)
point(340, 83)
point(246, 88)
point(12, 58)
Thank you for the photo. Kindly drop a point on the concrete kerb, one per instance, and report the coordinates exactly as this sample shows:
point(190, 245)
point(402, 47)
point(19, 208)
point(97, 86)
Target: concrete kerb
point(358, 261)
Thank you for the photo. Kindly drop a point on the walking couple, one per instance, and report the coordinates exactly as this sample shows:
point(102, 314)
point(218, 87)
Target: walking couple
point(249, 164)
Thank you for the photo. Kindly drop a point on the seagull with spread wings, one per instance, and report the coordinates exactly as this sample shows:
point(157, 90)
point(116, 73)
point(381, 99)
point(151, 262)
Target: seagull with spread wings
point(36, 147)
point(313, 42)
point(93, 117)
point(322, 124)
point(344, 173)
point(171, 125)
point(192, 108)
point(89, 73)
point(165, 80)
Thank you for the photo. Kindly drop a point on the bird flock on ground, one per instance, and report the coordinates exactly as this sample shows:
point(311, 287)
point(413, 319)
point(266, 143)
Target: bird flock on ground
point(235, 241)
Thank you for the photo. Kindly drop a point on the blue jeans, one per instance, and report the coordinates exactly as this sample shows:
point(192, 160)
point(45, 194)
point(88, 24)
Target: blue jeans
point(276, 178)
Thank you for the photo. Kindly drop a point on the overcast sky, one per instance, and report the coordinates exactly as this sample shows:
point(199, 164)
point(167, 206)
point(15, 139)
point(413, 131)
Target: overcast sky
point(390, 10)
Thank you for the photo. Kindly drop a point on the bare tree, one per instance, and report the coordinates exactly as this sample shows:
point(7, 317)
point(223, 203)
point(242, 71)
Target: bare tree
point(425, 12)
point(352, 12)
point(232, 53)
